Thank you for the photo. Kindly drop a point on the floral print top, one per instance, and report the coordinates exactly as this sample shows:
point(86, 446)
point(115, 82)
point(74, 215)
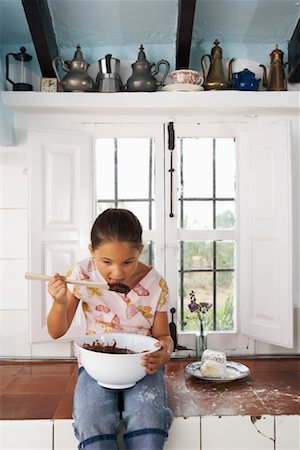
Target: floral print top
point(107, 311)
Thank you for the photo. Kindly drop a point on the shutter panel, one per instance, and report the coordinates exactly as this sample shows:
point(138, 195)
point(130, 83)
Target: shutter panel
point(59, 217)
point(265, 255)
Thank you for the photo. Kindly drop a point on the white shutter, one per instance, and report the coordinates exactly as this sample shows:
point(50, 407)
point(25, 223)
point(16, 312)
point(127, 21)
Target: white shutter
point(265, 251)
point(59, 217)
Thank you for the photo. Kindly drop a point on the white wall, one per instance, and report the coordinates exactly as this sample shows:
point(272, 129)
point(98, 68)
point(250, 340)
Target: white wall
point(6, 118)
point(13, 246)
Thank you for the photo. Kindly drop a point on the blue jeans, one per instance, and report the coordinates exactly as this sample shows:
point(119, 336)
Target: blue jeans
point(143, 408)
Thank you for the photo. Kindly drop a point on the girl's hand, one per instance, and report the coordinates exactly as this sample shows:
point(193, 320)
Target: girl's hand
point(57, 288)
point(154, 361)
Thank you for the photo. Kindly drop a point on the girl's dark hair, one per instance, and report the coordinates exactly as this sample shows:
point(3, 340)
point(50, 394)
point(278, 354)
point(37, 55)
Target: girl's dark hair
point(116, 224)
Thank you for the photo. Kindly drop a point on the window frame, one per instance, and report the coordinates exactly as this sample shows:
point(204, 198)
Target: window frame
point(166, 235)
point(141, 130)
point(216, 339)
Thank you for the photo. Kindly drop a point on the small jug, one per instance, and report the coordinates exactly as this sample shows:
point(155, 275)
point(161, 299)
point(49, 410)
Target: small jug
point(276, 80)
point(76, 80)
point(143, 74)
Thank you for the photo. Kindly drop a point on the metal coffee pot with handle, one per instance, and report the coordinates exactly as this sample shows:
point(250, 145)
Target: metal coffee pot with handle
point(215, 77)
point(143, 74)
point(276, 80)
point(108, 78)
point(77, 79)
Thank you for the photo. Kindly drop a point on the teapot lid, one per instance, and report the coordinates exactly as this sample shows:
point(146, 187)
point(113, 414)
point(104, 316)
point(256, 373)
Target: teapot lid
point(216, 48)
point(277, 52)
point(142, 55)
point(142, 62)
point(78, 54)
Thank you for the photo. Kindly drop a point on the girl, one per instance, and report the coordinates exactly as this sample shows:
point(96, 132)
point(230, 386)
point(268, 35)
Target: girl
point(116, 244)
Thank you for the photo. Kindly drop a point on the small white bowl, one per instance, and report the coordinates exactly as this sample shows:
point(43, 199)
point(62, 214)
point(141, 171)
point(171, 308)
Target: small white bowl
point(186, 76)
point(111, 370)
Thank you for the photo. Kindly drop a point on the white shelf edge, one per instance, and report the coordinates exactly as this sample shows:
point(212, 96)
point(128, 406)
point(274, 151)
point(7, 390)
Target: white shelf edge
point(155, 102)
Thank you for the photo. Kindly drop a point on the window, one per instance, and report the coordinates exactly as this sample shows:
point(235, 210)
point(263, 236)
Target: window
point(125, 179)
point(205, 182)
point(206, 186)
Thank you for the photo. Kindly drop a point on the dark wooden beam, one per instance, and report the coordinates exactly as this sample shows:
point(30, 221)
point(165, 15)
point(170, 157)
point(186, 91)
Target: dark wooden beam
point(41, 29)
point(294, 55)
point(186, 12)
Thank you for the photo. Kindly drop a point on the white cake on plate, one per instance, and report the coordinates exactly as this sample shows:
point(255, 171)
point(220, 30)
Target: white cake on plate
point(213, 364)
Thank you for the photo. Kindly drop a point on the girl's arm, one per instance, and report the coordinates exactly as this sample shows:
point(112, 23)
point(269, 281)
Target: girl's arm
point(63, 309)
point(160, 330)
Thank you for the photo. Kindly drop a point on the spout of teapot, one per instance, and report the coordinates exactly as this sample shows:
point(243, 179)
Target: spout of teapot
point(265, 79)
point(230, 79)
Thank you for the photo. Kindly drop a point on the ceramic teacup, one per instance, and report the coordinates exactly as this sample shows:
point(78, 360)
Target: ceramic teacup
point(186, 76)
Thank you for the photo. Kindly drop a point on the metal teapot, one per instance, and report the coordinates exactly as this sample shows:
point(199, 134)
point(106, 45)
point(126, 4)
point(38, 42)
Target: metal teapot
point(215, 78)
point(76, 80)
point(143, 74)
point(276, 80)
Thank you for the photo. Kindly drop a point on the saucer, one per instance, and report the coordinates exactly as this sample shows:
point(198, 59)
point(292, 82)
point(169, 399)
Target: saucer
point(234, 371)
point(183, 87)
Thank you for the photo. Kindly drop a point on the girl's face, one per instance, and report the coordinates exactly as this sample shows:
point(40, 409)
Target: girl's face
point(116, 261)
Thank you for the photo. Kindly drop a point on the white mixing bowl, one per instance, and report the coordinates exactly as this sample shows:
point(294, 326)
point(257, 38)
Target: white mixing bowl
point(111, 370)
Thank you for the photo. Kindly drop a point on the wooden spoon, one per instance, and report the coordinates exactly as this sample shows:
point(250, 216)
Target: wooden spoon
point(115, 287)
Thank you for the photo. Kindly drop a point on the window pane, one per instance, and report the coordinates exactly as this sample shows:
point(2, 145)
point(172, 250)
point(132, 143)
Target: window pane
point(202, 284)
point(196, 167)
point(143, 210)
point(197, 255)
point(196, 215)
point(105, 150)
point(225, 255)
point(125, 177)
point(225, 167)
point(201, 264)
point(225, 215)
point(133, 168)
point(225, 304)
point(102, 206)
point(147, 256)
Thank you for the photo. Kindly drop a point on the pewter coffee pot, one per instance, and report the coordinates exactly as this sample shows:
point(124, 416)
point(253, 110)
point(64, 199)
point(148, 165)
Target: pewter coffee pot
point(276, 80)
point(215, 77)
point(77, 79)
point(108, 78)
point(143, 74)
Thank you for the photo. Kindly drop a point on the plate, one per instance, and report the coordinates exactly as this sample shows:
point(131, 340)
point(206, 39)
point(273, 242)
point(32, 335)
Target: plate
point(234, 371)
point(183, 87)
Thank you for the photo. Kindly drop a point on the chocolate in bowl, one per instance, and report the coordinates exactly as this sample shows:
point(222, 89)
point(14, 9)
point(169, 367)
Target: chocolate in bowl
point(97, 346)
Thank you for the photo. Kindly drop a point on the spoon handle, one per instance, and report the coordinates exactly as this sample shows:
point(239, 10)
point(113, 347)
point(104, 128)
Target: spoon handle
point(39, 277)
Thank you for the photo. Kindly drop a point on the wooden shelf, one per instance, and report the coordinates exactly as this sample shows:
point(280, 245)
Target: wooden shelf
point(156, 103)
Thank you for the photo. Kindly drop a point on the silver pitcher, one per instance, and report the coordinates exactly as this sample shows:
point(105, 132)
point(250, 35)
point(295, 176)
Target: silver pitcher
point(77, 79)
